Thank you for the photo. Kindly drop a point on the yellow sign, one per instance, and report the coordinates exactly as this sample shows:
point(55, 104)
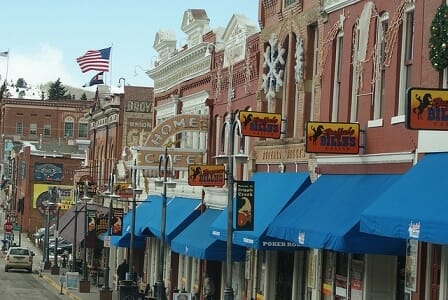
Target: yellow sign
point(427, 109)
point(258, 124)
point(326, 137)
point(62, 192)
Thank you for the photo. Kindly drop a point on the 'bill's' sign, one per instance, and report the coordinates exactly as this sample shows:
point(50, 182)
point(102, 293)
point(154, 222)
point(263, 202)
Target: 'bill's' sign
point(322, 137)
point(257, 124)
point(206, 175)
point(427, 109)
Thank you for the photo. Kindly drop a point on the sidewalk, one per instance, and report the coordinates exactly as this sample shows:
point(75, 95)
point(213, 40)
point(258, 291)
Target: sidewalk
point(54, 280)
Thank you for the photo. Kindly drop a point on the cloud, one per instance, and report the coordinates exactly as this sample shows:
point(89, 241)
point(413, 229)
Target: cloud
point(42, 66)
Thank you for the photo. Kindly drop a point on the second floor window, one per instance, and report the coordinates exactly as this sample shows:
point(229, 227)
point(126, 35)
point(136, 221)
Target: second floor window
point(380, 70)
point(19, 128)
point(406, 58)
point(83, 130)
point(33, 129)
point(68, 127)
point(47, 130)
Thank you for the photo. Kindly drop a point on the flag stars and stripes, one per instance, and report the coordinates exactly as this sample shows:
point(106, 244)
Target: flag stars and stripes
point(94, 60)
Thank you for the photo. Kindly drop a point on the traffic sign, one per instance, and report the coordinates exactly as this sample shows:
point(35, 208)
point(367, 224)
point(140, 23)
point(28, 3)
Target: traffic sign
point(8, 227)
point(107, 241)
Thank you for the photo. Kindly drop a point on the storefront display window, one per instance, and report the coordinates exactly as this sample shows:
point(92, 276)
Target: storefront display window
point(341, 276)
point(356, 278)
point(327, 275)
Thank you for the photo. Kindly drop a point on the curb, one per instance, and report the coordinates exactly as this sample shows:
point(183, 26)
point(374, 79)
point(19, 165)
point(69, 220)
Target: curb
point(58, 287)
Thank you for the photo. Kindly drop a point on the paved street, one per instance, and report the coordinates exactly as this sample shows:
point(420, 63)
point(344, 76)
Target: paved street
point(38, 285)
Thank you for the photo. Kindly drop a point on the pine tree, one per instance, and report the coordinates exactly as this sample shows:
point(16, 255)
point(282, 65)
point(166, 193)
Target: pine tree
point(57, 91)
point(21, 83)
point(84, 96)
point(438, 42)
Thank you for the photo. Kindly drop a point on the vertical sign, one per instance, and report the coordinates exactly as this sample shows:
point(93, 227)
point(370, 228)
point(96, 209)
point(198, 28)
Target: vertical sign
point(117, 221)
point(411, 266)
point(91, 228)
point(245, 205)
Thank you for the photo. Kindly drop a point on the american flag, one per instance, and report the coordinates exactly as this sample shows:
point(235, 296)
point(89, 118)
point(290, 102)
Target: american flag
point(96, 60)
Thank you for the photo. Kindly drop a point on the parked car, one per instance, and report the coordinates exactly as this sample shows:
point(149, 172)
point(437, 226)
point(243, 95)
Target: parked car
point(62, 246)
point(40, 233)
point(19, 258)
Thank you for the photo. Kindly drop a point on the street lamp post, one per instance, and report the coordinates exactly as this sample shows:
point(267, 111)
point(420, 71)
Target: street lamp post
point(46, 257)
point(84, 284)
point(75, 231)
point(55, 267)
point(160, 285)
point(233, 124)
point(136, 191)
point(106, 292)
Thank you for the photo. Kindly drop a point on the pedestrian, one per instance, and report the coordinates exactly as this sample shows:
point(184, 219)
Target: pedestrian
point(208, 289)
point(121, 270)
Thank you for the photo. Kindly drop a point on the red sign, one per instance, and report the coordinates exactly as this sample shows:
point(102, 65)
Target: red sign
point(206, 175)
point(427, 109)
point(257, 124)
point(322, 137)
point(8, 227)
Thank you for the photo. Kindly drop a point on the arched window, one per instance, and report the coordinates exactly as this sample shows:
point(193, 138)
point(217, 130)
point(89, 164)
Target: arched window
point(69, 126)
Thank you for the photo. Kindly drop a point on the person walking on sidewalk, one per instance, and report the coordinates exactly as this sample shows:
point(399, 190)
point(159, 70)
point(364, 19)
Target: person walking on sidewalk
point(121, 270)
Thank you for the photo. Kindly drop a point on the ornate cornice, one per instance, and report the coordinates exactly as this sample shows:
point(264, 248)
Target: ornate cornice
point(184, 66)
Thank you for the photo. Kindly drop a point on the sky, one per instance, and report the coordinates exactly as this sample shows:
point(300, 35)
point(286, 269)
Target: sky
point(45, 37)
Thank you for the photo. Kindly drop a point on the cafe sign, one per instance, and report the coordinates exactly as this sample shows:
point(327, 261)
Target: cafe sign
point(180, 158)
point(322, 137)
point(159, 138)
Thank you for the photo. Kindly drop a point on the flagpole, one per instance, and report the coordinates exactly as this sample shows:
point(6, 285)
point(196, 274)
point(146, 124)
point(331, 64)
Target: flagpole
point(110, 68)
point(7, 65)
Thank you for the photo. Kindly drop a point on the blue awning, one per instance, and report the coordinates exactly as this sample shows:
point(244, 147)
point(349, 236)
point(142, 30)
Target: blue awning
point(273, 191)
point(141, 213)
point(196, 240)
point(326, 215)
point(416, 206)
point(180, 212)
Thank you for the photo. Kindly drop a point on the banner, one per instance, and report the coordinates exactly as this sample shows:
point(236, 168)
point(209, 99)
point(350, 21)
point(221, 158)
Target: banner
point(91, 228)
point(117, 221)
point(101, 225)
point(245, 205)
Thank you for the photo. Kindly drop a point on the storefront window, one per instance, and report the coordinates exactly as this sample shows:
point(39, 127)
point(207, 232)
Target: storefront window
point(356, 277)
point(285, 271)
point(261, 269)
point(327, 275)
point(341, 276)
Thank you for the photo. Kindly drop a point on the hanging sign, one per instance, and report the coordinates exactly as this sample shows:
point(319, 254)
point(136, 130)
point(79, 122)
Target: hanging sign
point(427, 109)
point(245, 191)
point(117, 221)
point(322, 137)
point(206, 175)
point(258, 124)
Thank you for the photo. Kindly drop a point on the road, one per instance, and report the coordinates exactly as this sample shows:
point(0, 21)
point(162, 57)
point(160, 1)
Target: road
point(21, 285)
